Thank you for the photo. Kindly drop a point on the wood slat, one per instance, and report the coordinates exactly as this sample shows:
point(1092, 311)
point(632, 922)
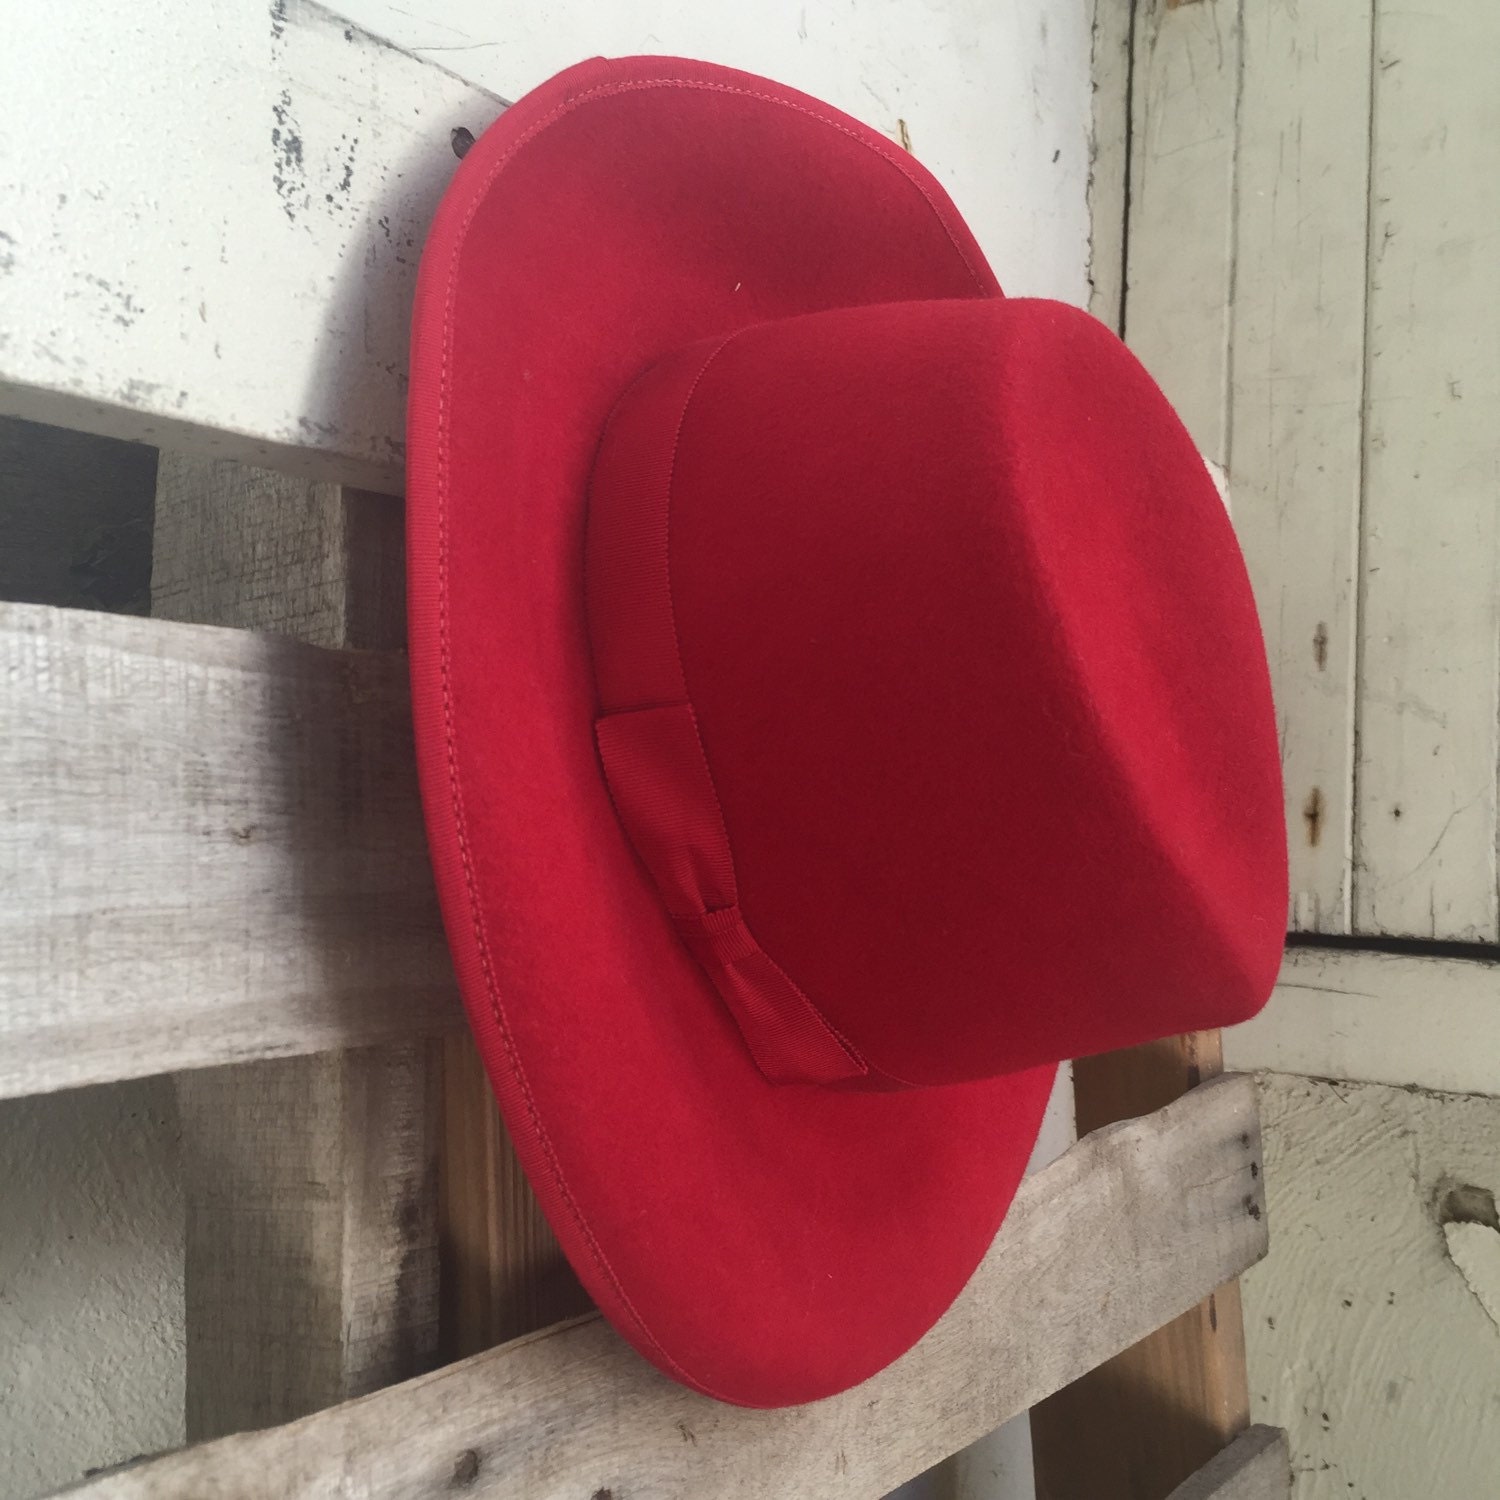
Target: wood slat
point(504, 1274)
point(1297, 362)
point(1161, 1408)
point(242, 228)
point(212, 851)
point(1397, 1018)
point(1429, 676)
point(311, 1265)
point(1181, 177)
point(310, 1183)
point(1109, 159)
point(1116, 1236)
point(1255, 1466)
point(1158, 1410)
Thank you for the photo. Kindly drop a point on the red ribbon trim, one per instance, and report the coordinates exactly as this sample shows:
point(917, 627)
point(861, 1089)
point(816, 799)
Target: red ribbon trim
point(649, 741)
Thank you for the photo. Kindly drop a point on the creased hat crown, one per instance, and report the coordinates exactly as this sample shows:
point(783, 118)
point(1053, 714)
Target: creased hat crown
point(933, 694)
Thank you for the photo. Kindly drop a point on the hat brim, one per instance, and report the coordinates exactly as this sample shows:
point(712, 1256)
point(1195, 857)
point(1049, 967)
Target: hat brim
point(766, 1244)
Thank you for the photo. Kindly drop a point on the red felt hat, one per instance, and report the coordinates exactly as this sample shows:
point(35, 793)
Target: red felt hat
point(838, 699)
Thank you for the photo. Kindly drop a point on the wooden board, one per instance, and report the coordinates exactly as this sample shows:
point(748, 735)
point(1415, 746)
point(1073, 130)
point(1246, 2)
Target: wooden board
point(1429, 675)
point(573, 1412)
point(1182, 177)
point(1398, 1018)
point(504, 1273)
point(1367, 1341)
point(1255, 1466)
point(1109, 158)
point(1297, 365)
point(242, 227)
point(310, 1183)
point(311, 1270)
point(325, 563)
point(215, 852)
point(1160, 1409)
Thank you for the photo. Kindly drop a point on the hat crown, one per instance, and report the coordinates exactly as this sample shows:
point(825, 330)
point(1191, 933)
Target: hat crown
point(933, 695)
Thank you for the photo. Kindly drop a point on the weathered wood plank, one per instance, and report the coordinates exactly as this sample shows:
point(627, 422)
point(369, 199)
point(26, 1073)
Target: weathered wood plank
point(1430, 642)
point(504, 1274)
point(212, 853)
point(1158, 1410)
point(1297, 357)
point(1109, 158)
point(1183, 109)
point(1381, 1018)
point(1255, 1466)
point(242, 233)
point(246, 547)
point(311, 1274)
point(1161, 1408)
point(1109, 1241)
point(310, 1183)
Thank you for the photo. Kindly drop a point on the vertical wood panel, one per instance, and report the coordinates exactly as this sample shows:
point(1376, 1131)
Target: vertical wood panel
point(325, 563)
point(1179, 266)
point(311, 1182)
point(1109, 158)
point(1142, 1422)
point(504, 1273)
point(1156, 1413)
point(1297, 361)
point(1426, 812)
point(311, 1270)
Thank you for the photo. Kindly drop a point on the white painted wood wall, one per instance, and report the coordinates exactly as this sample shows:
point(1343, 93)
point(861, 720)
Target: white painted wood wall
point(1314, 237)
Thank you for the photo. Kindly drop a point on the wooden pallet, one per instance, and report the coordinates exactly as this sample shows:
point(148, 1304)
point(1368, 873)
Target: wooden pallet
point(212, 865)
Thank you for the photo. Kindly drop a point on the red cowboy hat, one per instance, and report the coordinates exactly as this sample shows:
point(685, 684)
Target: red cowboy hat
point(838, 698)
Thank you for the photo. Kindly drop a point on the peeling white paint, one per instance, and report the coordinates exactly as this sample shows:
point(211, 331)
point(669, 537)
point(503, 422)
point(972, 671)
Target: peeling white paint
point(214, 239)
point(213, 235)
point(1366, 1340)
point(1475, 1250)
point(995, 98)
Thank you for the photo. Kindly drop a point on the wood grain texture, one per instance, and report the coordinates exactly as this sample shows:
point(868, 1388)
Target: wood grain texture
point(1109, 158)
point(1429, 676)
point(1159, 1410)
point(248, 547)
point(242, 228)
point(1397, 1018)
point(1183, 108)
point(1255, 1466)
point(504, 1273)
point(310, 1183)
point(325, 563)
point(311, 1270)
point(1297, 363)
point(214, 853)
point(1110, 1240)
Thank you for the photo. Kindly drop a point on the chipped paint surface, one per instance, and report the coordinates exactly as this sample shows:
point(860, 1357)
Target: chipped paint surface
point(229, 266)
point(221, 254)
point(1400, 1018)
point(995, 97)
point(1365, 1339)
